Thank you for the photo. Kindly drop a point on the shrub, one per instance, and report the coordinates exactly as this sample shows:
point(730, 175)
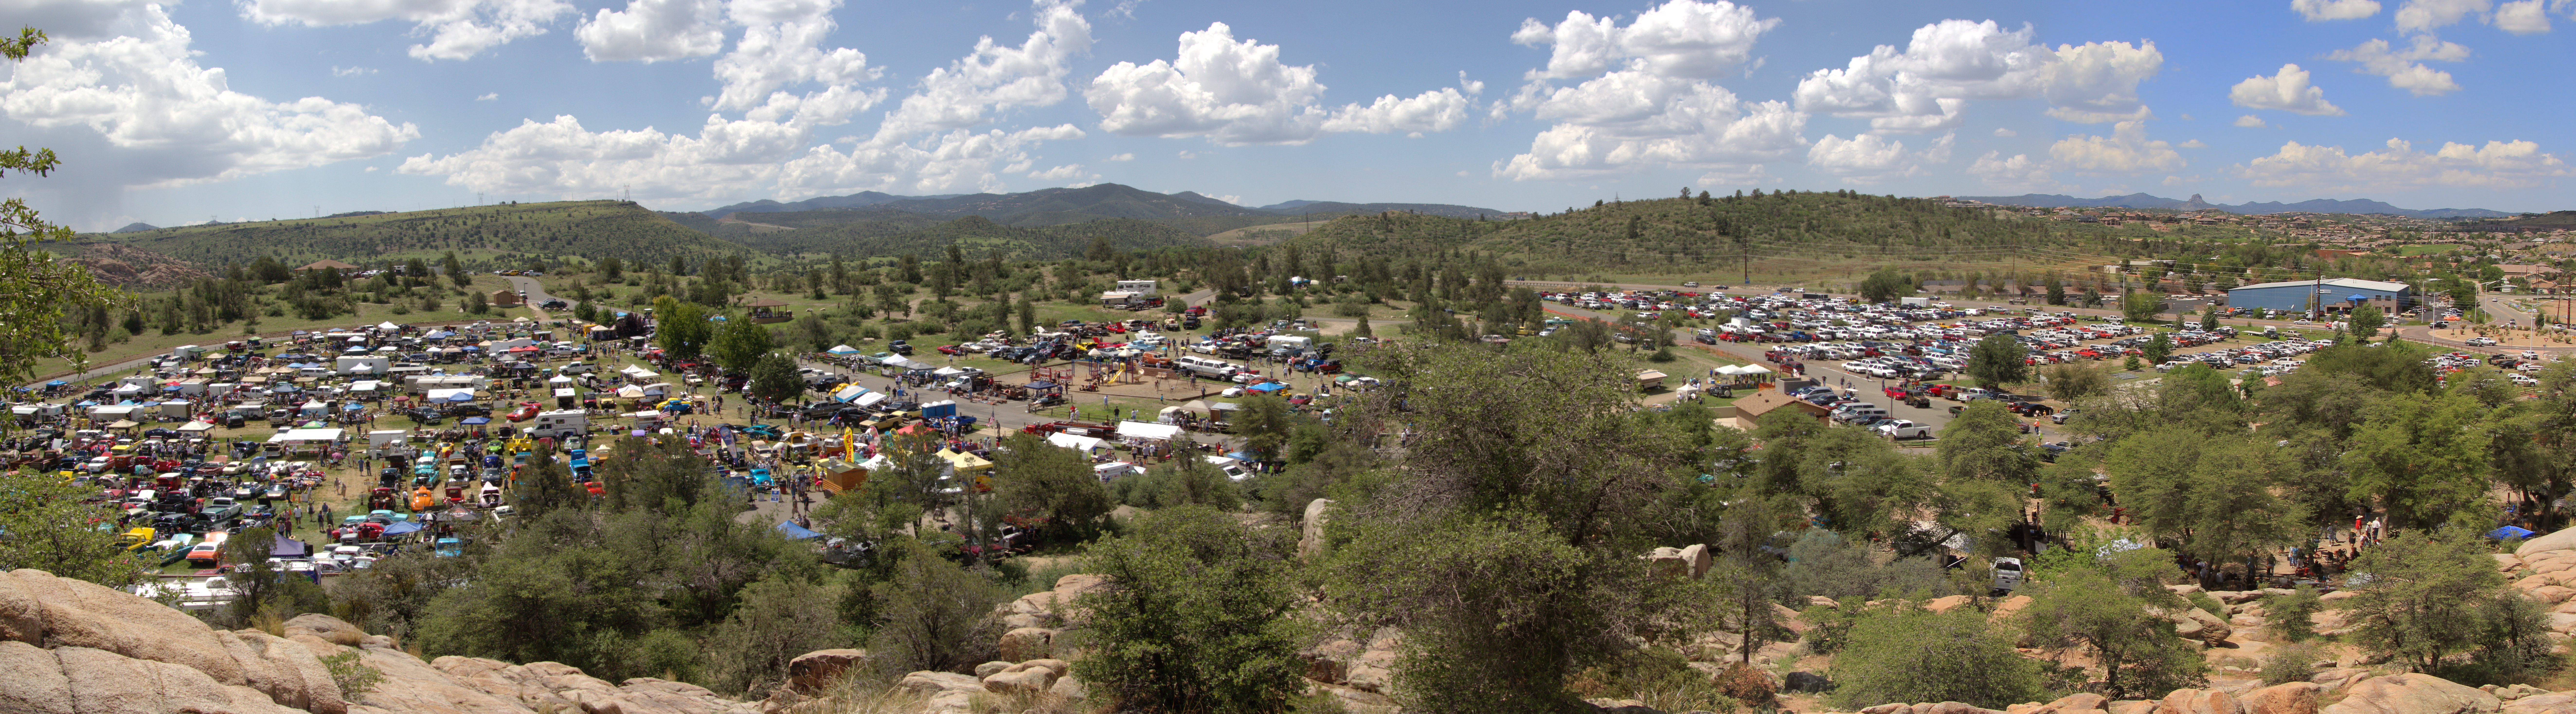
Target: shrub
point(1195, 616)
point(934, 615)
point(1914, 655)
point(2291, 662)
point(2289, 616)
point(354, 677)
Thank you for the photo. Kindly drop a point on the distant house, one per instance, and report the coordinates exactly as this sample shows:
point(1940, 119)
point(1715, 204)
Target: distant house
point(2527, 272)
point(328, 265)
point(1749, 410)
point(505, 298)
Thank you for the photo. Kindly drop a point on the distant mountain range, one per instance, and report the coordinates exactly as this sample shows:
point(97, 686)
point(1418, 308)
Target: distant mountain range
point(136, 227)
point(2321, 205)
point(1106, 200)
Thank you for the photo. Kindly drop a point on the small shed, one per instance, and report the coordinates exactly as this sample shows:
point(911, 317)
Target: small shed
point(505, 298)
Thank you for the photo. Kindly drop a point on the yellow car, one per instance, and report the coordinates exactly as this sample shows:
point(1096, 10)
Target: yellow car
point(136, 539)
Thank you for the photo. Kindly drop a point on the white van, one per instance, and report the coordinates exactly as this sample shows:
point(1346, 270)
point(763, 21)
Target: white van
point(1209, 367)
point(560, 424)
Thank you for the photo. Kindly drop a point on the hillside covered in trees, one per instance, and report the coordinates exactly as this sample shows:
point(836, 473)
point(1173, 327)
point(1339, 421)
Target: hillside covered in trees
point(594, 230)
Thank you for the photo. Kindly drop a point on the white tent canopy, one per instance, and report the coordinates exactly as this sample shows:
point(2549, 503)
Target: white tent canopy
point(306, 435)
point(1078, 443)
point(1142, 430)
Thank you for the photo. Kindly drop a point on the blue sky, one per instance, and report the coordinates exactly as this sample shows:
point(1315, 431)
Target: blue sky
point(175, 113)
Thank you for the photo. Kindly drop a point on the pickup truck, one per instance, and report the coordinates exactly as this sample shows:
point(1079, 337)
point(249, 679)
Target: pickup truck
point(1904, 429)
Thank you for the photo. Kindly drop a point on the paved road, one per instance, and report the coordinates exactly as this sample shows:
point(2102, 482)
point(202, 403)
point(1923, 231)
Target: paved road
point(536, 292)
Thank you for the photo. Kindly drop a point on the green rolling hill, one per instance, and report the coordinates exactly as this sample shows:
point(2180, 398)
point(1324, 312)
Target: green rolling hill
point(587, 229)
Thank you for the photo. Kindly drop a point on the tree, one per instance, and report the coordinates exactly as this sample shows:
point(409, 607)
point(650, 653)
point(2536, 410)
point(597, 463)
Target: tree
point(2421, 603)
point(739, 343)
point(936, 616)
point(1053, 486)
point(1362, 329)
point(2209, 319)
point(44, 526)
point(2422, 457)
point(1534, 463)
point(1885, 285)
point(2141, 306)
point(455, 270)
point(1264, 423)
point(2158, 348)
point(36, 290)
point(1195, 616)
point(610, 268)
point(774, 380)
point(1998, 360)
point(2056, 290)
point(2071, 381)
point(2366, 319)
point(1907, 654)
point(1027, 314)
point(475, 304)
point(2111, 612)
point(680, 328)
point(780, 619)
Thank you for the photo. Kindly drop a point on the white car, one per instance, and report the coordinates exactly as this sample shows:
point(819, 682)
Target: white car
point(1904, 429)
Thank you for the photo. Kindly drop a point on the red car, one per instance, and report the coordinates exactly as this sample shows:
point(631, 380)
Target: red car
point(949, 349)
point(526, 411)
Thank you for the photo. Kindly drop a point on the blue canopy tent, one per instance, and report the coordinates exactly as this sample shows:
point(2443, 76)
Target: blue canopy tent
point(476, 421)
point(289, 548)
point(1269, 386)
point(2508, 533)
point(797, 532)
point(400, 527)
point(56, 383)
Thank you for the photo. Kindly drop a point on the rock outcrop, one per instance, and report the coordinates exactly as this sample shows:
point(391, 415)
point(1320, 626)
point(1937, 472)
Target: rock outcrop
point(2414, 694)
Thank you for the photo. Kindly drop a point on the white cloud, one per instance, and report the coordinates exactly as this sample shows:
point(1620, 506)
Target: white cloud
point(1870, 158)
point(2430, 15)
point(652, 31)
point(2287, 91)
point(2126, 151)
point(458, 29)
point(1232, 92)
point(488, 96)
point(2192, 144)
point(2250, 121)
point(1186, 155)
point(564, 159)
point(1058, 173)
point(1441, 110)
point(2404, 68)
point(2526, 17)
point(782, 46)
point(1682, 38)
point(140, 94)
point(1123, 157)
point(2007, 133)
point(2019, 173)
point(1645, 99)
point(1238, 92)
point(1948, 63)
point(2499, 164)
point(2323, 10)
point(351, 71)
point(928, 144)
point(997, 77)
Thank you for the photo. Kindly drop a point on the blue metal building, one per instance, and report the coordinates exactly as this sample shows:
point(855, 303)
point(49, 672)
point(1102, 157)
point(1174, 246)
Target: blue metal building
point(2336, 294)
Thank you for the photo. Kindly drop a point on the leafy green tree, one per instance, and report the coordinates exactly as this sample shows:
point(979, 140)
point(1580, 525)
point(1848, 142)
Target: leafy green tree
point(2422, 602)
point(1195, 616)
point(2072, 381)
point(455, 270)
point(1885, 285)
point(2365, 321)
point(1264, 423)
point(2141, 306)
point(2159, 348)
point(680, 328)
point(1534, 463)
point(780, 619)
point(1998, 360)
point(2110, 613)
point(1056, 486)
point(2395, 366)
point(2209, 319)
point(2056, 290)
point(44, 526)
point(738, 344)
point(936, 616)
point(2422, 457)
point(1906, 654)
point(774, 380)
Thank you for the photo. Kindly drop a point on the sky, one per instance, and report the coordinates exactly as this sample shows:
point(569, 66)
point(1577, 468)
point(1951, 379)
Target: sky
point(183, 112)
